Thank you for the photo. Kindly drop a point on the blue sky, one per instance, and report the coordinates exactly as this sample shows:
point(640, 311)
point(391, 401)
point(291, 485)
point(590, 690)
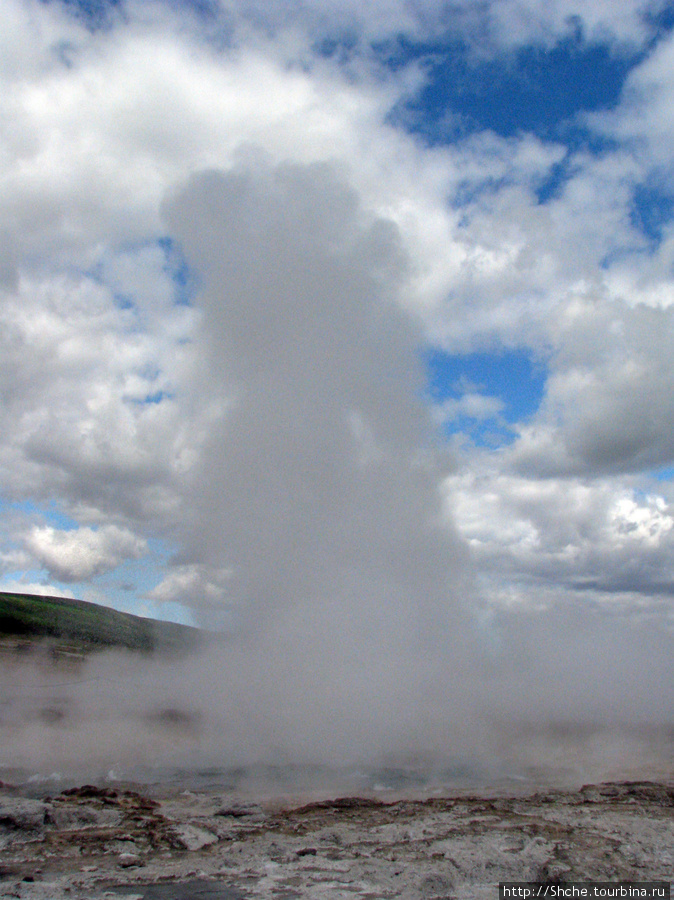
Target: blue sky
point(532, 89)
point(511, 378)
point(517, 155)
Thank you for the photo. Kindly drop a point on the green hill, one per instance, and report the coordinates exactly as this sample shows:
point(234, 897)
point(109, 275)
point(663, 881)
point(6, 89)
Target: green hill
point(85, 627)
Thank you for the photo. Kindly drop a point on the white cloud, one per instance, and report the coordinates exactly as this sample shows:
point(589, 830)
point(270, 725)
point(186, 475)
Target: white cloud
point(537, 540)
point(648, 522)
point(523, 21)
point(79, 370)
point(103, 127)
point(81, 553)
point(610, 394)
point(193, 584)
point(643, 118)
point(472, 404)
point(39, 588)
point(267, 433)
point(490, 25)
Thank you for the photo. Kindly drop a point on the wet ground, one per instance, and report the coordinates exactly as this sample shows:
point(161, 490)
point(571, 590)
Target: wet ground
point(192, 889)
point(162, 842)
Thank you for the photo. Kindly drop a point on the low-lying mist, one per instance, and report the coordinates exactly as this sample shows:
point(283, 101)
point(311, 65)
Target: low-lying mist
point(352, 635)
point(253, 715)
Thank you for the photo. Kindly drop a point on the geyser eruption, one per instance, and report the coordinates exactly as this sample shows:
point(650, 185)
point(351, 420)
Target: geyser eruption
point(314, 486)
point(318, 487)
point(314, 503)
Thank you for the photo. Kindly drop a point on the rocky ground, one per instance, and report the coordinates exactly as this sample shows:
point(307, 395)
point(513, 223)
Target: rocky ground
point(154, 843)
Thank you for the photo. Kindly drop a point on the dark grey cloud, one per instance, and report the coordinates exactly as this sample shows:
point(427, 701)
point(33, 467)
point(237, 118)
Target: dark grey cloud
point(610, 396)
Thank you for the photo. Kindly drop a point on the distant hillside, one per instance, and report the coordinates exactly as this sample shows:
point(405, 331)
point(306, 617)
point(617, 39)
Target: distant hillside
point(87, 626)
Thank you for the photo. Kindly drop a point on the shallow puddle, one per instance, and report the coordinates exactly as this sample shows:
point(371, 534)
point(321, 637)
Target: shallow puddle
point(195, 889)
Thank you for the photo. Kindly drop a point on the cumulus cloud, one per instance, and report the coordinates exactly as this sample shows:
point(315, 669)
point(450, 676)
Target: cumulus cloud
point(490, 25)
point(627, 23)
point(220, 255)
point(83, 374)
point(472, 404)
point(103, 124)
point(610, 394)
point(192, 584)
point(541, 541)
point(642, 119)
point(79, 554)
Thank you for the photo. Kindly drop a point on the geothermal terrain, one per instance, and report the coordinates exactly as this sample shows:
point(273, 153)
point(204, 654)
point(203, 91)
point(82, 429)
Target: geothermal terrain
point(155, 843)
point(110, 787)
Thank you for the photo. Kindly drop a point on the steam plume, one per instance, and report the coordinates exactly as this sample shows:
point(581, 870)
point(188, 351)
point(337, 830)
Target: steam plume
point(317, 491)
point(318, 487)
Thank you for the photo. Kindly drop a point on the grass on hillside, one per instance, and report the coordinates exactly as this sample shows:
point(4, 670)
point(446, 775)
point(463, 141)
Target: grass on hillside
point(88, 625)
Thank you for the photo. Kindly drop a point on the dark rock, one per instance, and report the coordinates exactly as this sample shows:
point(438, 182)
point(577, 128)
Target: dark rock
point(242, 811)
point(17, 814)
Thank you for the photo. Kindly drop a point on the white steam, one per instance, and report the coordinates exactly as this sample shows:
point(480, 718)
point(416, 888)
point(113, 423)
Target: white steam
point(318, 487)
point(314, 515)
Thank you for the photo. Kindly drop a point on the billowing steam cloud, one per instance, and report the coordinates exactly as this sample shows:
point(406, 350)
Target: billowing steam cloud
point(317, 490)
point(318, 487)
point(314, 513)
point(315, 487)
